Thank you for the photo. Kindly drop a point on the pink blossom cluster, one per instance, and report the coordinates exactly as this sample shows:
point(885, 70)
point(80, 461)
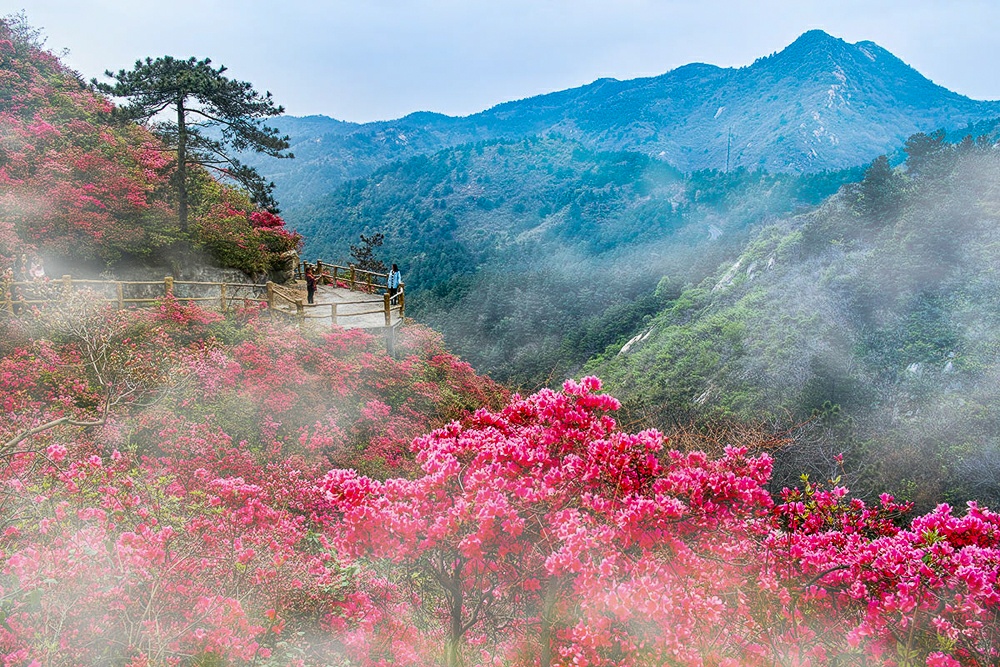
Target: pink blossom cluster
point(595, 547)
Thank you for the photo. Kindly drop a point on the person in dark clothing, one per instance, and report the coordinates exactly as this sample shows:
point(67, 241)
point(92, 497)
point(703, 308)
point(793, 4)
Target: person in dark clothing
point(21, 269)
point(310, 285)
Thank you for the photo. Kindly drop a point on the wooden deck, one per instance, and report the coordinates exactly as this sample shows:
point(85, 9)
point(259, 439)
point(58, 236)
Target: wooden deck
point(356, 299)
point(343, 307)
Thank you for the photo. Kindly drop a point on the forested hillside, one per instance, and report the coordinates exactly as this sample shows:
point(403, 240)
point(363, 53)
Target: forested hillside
point(531, 256)
point(877, 314)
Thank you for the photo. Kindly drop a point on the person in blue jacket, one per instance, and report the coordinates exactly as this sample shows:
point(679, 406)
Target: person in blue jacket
point(393, 281)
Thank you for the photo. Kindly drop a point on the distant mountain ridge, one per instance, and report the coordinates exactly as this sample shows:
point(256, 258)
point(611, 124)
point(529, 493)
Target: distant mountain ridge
point(821, 103)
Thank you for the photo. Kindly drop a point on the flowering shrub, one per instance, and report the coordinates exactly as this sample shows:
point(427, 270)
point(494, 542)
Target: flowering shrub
point(181, 520)
point(239, 236)
point(70, 179)
point(544, 516)
point(169, 496)
point(594, 547)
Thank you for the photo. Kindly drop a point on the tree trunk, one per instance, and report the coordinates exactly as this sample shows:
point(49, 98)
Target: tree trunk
point(551, 592)
point(182, 198)
point(455, 636)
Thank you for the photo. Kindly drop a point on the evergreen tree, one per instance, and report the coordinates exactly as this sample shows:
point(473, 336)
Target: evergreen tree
point(215, 117)
point(924, 153)
point(879, 191)
point(364, 254)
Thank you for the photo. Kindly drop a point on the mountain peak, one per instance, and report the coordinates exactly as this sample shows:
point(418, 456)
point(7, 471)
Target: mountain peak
point(814, 37)
point(814, 42)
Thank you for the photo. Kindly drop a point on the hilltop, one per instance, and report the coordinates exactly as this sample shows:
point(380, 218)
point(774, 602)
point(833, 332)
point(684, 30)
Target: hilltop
point(90, 192)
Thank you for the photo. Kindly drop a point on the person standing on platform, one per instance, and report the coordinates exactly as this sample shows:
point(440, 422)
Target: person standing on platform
point(37, 269)
point(393, 281)
point(310, 285)
point(21, 269)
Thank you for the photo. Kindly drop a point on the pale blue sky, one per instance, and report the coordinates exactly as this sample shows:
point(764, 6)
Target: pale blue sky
point(364, 60)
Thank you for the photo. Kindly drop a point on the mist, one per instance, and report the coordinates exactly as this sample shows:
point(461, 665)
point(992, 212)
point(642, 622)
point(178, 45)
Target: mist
point(871, 320)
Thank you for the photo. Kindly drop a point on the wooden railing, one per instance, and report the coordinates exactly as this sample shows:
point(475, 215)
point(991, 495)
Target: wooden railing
point(353, 278)
point(280, 300)
point(131, 293)
point(292, 303)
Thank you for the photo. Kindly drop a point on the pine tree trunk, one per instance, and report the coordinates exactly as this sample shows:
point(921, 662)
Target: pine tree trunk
point(182, 198)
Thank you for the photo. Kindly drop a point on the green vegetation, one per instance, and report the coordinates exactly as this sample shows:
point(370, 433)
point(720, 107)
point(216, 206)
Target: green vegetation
point(876, 317)
point(531, 256)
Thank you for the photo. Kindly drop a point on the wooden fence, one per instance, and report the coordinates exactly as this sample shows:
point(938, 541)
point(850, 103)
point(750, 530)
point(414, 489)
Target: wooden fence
point(131, 293)
point(350, 277)
point(281, 301)
point(290, 302)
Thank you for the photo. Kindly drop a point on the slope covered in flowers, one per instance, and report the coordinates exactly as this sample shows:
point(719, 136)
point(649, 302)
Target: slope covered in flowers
point(75, 183)
point(159, 471)
point(178, 489)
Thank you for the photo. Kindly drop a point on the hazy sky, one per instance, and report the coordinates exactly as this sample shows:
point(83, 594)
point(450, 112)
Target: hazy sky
point(364, 60)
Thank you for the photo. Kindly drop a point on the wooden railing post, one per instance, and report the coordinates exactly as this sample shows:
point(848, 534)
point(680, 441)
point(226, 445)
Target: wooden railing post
point(333, 314)
point(168, 285)
point(270, 295)
point(222, 298)
point(67, 284)
point(121, 295)
point(388, 312)
point(402, 302)
point(352, 278)
point(335, 268)
point(300, 312)
point(370, 291)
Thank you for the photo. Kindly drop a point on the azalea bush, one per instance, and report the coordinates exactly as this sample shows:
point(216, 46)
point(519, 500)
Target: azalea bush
point(70, 178)
point(173, 493)
point(236, 233)
point(540, 534)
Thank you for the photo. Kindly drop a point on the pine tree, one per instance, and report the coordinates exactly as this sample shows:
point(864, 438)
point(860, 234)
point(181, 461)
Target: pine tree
point(214, 118)
point(880, 189)
point(364, 255)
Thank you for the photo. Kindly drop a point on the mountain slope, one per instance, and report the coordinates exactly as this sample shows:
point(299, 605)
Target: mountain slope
point(819, 104)
point(532, 255)
point(876, 315)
